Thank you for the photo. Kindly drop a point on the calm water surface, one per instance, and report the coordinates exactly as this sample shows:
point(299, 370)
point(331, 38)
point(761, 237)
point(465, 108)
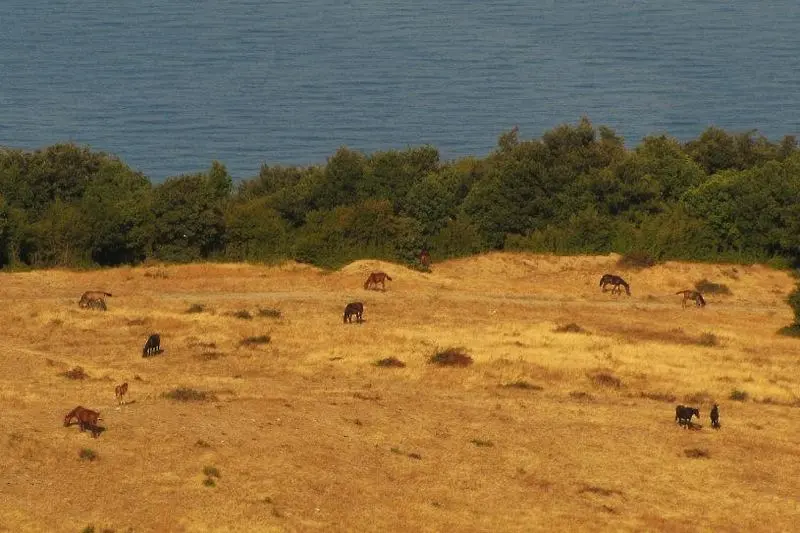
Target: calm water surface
point(169, 85)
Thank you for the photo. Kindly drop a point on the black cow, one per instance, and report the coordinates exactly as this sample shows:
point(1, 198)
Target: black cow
point(683, 415)
point(715, 417)
point(353, 308)
point(152, 346)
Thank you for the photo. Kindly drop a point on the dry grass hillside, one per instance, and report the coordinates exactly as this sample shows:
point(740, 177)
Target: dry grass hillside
point(563, 422)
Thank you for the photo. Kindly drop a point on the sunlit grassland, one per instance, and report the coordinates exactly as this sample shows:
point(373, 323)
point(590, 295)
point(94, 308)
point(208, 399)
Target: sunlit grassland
point(546, 430)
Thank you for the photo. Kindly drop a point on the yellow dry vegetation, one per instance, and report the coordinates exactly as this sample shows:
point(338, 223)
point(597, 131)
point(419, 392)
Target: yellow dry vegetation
point(301, 431)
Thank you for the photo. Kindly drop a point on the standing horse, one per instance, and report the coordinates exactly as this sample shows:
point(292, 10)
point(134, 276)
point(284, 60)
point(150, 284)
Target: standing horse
point(375, 278)
point(616, 283)
point(698, 299)
point(353, 309)
point(120, 391)
point(683, 415)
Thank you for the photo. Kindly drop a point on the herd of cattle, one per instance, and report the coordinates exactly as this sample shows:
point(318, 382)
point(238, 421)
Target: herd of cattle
point(87, 419)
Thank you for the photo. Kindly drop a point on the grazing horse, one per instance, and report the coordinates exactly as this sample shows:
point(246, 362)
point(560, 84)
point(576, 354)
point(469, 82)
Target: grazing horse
point(93, 300)
point(353, 308)
point(86, 419)
point(699, 301)
point(375, 278)
point(120, 391)
point(715, 417)
point(616, 282)
point(683, 415)
point(152, 346)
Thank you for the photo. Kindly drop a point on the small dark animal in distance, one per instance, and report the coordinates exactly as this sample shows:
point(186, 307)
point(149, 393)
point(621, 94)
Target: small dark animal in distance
point(152, 346)
point(715, 417)
point(353, 309)
point(683, 415)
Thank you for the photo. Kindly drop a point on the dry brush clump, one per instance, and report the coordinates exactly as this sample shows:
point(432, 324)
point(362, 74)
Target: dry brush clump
point(256, 340)
point(390, 362)
point(707, 339)
point(572, 327)
point(709, 287)
point(87, 454)
point(268, 313)
point(195, 308)
point(739, 395)
point(697, 453)
point(185, 394)
point(75, 373)
point(636, 259)
point(605, 378)
point(522, 385)
point(451, 357)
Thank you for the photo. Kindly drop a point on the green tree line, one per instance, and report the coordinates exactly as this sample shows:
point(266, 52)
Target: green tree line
point(577, 189)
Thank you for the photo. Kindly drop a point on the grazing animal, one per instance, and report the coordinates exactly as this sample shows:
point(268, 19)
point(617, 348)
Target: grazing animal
point(698, 299)
point(120, 391)
point(93, 300)
point(425, 259)
point(87, 419)
point(375, 278)
point(683, 415)
point(353, 308)
point(152, 346)
point(715, 417)
point(616, 283)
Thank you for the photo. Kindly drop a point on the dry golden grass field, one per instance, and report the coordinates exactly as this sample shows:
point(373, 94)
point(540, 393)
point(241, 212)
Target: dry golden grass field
point(547, 430)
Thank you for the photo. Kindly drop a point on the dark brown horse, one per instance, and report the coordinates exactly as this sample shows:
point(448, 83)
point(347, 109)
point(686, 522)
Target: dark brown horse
point(688, 294)
point(120, 391)
point(353, 309)
point(152, 346)
point(683, 415)
point(616, 283)
point(87, 419)
point(375, 278)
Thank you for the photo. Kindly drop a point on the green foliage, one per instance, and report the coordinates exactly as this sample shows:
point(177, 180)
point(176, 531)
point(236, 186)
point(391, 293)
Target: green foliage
point(368, 229)
point(577, 189)
point(189, 219)
point(254, 232)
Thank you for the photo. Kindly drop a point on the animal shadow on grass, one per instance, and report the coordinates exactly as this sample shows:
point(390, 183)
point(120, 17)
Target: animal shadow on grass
point(96, 431)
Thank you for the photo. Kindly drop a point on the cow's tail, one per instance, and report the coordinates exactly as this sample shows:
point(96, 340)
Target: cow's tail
point(107, 293)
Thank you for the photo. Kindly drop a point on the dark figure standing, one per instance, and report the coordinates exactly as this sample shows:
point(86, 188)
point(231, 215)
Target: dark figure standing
point(715, 417)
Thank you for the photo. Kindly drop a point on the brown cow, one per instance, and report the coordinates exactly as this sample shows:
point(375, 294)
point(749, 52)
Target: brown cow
point(86, 419)
point(375, 278)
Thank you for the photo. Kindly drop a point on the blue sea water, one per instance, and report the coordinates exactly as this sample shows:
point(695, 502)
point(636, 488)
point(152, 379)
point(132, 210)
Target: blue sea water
point(169, 85)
